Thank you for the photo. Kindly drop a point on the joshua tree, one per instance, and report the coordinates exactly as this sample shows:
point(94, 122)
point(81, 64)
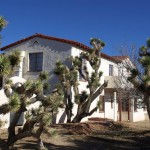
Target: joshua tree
point(7, 63)
point(22, 95)
point(140, 77)
point(3, 24)
point(68, 78)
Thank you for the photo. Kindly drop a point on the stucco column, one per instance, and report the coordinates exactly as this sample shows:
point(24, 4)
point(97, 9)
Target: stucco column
point(20, 70)
point(115, 106)
point(132, 110)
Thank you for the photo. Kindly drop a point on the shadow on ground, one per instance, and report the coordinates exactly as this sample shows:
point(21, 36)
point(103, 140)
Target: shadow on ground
point(88, 142)
point(116, 138)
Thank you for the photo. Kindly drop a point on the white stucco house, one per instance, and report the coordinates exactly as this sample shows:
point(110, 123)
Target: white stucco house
point(40, 52)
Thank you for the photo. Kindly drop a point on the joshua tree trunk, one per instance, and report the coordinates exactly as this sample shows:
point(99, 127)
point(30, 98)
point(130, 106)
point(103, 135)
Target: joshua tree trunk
point(40, 144)
point(82, 114)
point(68, 109)
point(11, 129)
point(68, 113)
point(77, 118)
point(84, 109)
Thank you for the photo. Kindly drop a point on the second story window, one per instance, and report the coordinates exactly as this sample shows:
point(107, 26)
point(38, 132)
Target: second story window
point(110, 70)
point(35, 61)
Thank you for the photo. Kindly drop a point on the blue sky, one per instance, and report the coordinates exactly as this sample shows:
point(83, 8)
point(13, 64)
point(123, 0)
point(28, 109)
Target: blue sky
point(113, 21)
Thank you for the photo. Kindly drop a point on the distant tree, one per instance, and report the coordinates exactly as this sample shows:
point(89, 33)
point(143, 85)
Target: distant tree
point(125, 89)
point(140, 76)
point(68, 78)
point(22, 95)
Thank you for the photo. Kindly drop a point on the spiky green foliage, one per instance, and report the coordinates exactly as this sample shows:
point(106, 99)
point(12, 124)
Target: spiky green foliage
point(43, 75)
point(38, 86)
point(99, 104)
point(60, 69)
point(140, 77)
point(8, 62)
point(98, 42)
point(46, 85)
point(68, 78)
point(14, 102)
point(81, 98)
point(9, 82)
point(94, 81)
point(14, 58)
point(3, 23)
point(39, 115)
point(100, 74)
point(5, 68)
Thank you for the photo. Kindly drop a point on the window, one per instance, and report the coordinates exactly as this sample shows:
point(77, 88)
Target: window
point(102, 103)
point(110, 70)
point(35, 61)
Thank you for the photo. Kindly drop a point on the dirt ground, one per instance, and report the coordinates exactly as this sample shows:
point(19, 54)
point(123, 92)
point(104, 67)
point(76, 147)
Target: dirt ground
point(104, 136)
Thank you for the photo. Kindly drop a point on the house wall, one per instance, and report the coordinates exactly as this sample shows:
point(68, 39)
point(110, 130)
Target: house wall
point(52, 51)
point(105, 67)
point(139, 115)
point(110, 106)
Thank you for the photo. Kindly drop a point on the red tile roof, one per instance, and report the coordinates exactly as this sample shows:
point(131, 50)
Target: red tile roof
point(77, 44)
point(80, 45)
point(109, 57)
point(120, 58)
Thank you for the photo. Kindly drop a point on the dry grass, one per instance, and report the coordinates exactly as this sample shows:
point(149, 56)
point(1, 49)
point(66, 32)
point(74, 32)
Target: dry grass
point(103, 136)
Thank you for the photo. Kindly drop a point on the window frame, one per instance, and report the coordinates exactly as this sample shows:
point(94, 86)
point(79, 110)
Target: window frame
point(35, 62)
point(111, 69)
